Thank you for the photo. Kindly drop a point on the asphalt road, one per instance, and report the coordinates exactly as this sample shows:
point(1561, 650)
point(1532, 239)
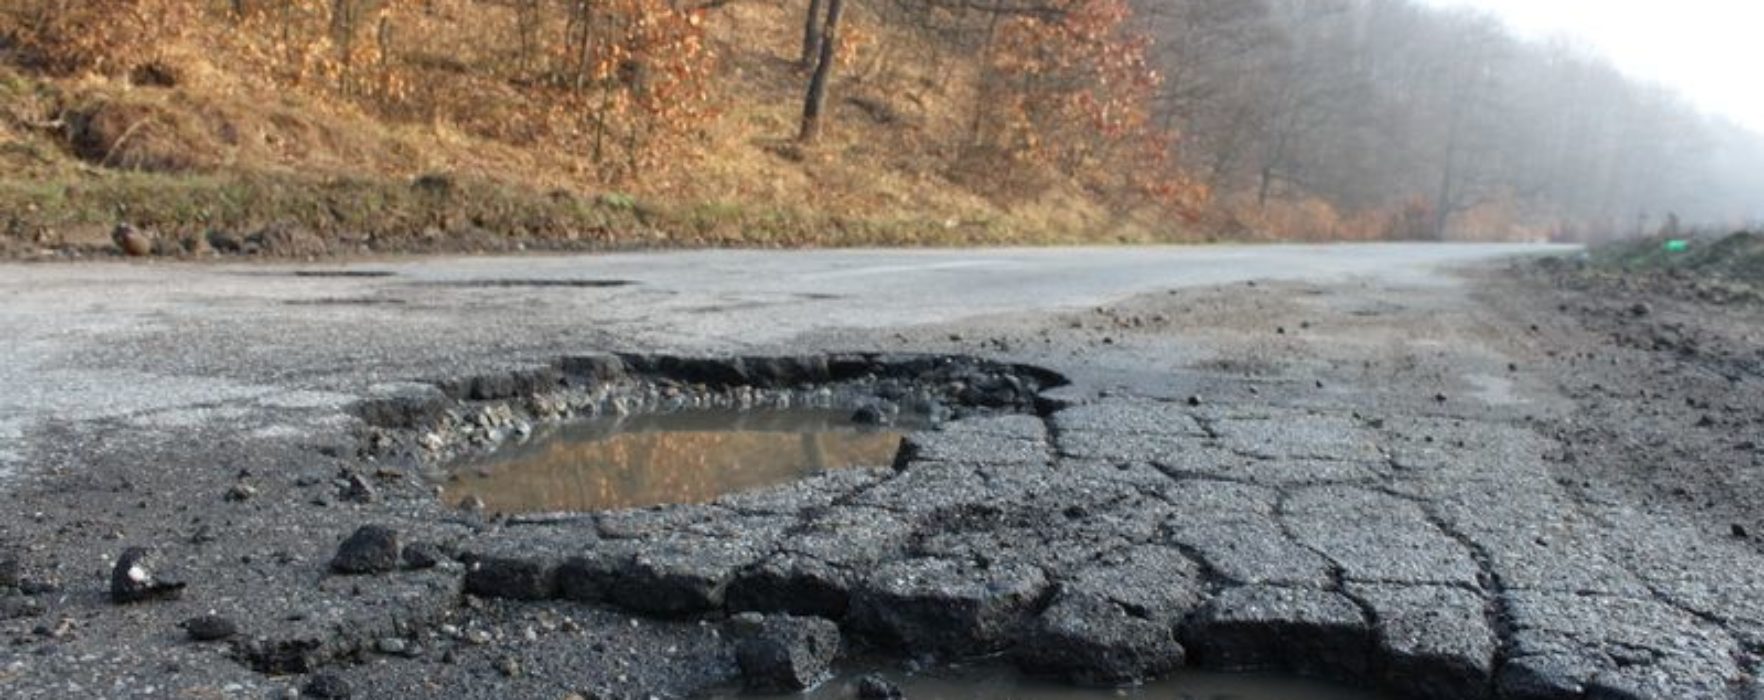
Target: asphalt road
point(1356, 462)
point(170, 344)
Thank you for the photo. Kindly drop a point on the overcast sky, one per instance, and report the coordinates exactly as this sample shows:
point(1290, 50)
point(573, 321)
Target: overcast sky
point(1707, 49)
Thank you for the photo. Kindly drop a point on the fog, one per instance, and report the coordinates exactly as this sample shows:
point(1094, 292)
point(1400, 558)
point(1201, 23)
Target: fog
point(1471, 122)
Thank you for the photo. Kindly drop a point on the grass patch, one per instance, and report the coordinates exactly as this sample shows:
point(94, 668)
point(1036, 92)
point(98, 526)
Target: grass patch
point(442, 213)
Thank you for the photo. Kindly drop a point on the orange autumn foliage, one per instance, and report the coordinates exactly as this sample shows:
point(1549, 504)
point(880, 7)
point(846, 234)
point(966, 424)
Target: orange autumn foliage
point(1074, 90)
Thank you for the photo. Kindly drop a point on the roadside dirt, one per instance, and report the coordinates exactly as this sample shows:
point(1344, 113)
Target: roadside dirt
point(1666, 373)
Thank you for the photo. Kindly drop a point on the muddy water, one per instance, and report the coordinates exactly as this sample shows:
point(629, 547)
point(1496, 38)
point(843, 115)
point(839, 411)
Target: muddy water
point(686, 457)
point(998, 683)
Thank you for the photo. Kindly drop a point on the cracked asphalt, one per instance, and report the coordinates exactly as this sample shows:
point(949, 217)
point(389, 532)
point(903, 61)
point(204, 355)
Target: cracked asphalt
point(1341, 462)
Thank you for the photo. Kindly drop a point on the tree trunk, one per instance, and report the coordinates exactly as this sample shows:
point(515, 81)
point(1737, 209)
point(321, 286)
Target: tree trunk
point(811, 34)
point(976, 126)
point(817, 92)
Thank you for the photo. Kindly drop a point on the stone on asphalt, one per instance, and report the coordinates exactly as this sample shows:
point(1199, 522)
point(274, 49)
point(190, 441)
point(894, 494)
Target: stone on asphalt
point(137, 578)
point(372, 549)
point(210, 628)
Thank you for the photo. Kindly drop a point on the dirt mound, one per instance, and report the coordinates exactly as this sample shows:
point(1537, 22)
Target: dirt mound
point(1737, 257)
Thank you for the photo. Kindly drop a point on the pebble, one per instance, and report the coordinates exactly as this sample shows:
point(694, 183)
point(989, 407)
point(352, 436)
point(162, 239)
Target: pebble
point(210, 628)
point(132, 241)
point(134, 580)
point(373, 549)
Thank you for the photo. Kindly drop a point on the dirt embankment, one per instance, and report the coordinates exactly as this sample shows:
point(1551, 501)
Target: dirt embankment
point(204, 129)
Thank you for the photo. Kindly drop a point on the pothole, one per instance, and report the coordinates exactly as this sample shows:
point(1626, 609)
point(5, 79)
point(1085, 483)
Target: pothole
point(609, 432)
point(986, 537)
point(682, 457)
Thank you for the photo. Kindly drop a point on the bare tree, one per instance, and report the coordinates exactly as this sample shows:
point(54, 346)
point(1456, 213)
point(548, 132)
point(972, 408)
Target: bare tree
point(811, 34)
point(816, 103)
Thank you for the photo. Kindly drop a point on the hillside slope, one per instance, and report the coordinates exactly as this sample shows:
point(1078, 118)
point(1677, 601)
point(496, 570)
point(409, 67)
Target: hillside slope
point(209, 138)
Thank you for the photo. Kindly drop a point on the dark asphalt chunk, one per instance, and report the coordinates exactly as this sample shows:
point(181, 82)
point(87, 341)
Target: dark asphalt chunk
point(783, 654)
point(138, 578)
point(210, 628)
point(1434, 641)
point(946, 608)
point(682, 575)
point(1314, 633)
point(518, 579)
point(372, 549)
point(1115, 622)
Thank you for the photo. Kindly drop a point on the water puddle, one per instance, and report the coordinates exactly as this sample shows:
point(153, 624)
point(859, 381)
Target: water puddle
point(998, 683)
point(686, 457)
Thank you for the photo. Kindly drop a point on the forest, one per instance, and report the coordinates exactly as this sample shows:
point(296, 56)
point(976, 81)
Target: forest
point(780, 122)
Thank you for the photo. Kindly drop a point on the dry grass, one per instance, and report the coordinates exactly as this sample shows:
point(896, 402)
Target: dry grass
point(186, 146)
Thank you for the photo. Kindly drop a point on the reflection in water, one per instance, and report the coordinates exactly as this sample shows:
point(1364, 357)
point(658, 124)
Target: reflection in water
point(998, 683)
point(687, 457)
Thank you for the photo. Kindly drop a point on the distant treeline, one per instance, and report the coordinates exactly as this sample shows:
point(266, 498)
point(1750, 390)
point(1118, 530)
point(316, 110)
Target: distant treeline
point(1442, 119)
